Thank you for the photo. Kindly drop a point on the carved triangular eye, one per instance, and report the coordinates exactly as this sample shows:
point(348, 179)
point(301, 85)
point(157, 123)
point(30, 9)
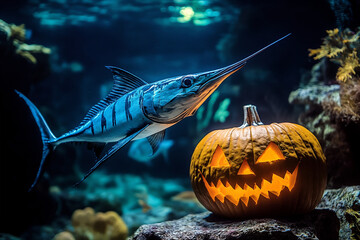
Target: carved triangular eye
point(245, 169)
point(219, 159)
point(272, 153)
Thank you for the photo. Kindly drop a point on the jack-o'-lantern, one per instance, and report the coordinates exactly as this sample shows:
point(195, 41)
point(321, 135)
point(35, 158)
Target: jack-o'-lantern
point(258, 170)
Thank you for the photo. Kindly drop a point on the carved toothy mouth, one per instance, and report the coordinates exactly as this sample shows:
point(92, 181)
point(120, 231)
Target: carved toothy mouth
point(234, 195)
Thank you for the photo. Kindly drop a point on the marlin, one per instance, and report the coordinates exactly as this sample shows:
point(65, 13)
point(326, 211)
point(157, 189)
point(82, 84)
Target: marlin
point(135, 109)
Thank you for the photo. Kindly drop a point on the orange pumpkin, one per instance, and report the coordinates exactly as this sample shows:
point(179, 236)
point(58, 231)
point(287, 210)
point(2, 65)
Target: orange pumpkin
point(258, 170)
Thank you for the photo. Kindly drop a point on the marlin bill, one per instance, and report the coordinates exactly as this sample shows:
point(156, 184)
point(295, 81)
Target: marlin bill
point(135, 109)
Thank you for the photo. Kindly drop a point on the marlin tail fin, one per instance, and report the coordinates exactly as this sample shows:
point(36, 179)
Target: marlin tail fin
point(46, 135)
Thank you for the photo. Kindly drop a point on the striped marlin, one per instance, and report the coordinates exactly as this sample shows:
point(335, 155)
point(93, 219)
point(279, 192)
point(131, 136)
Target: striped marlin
point(135, 109)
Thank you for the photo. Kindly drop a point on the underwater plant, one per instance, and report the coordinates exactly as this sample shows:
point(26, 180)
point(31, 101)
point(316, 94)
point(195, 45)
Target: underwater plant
point(204, 121)
point(259, 170)
point(16, 35)
point(353, 217)
point(342, 48)
point(222, 112)
point(220, 115)
point(89, 225)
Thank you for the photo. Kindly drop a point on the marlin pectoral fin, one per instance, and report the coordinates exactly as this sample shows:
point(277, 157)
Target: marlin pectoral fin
point(156, 139)
point(111, 152)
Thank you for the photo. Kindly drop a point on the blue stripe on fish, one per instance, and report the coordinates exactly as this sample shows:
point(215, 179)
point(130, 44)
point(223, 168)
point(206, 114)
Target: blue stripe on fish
point(103, 122)
point(92, 127)
point(113, 115)
point(127, 106)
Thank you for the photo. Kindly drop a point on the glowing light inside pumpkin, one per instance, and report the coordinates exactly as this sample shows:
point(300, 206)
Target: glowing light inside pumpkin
point(245, 169)
point(219, 159)
point(237, 194)
point(272, 153)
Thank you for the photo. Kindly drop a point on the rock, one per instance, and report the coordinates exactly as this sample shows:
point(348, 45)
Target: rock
point(319, 224)
point(316, 94)
point(346, 204)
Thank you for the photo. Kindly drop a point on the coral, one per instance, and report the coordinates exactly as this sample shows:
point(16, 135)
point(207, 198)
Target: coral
point(82, 221)
point(121, 193)
point(348, 66)
point(18, 32)
point(99, 226)
point(15, 54)
point(64, 236)
point(341, 48)
point(353, 217)
point(345, 202)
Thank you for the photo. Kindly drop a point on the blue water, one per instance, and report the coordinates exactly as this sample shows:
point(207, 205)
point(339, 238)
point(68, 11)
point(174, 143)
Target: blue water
point(153, 40)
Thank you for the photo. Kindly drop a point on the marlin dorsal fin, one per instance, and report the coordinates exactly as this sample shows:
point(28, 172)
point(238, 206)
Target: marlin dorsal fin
point(124, 82)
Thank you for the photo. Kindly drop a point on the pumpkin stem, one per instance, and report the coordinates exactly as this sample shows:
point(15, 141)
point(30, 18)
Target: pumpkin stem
point(251, 117)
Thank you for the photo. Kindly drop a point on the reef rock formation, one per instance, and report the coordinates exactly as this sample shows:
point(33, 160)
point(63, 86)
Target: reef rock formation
point(319, 224)
point(336, 217)
point(346, 203)
point(332, 104)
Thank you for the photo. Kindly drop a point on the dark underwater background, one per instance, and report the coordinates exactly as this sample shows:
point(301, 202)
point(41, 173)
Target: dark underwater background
point(153, 40)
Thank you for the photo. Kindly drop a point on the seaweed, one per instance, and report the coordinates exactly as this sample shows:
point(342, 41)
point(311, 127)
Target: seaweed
point(219, 115)
point(353, 217)
point(341, 47)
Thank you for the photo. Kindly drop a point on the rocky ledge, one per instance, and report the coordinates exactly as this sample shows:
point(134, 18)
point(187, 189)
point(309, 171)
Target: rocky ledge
point(337, 217)
point(319, 224)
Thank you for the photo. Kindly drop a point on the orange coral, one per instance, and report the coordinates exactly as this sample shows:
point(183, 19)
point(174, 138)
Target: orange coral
point(64, 236)
point(347, 69)
point(99, 226)
point(341, 48)
point(82, 221)
point(18, 32)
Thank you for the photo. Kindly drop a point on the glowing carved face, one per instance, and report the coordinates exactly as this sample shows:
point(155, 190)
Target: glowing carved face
point(258, 170)
point(271, 155)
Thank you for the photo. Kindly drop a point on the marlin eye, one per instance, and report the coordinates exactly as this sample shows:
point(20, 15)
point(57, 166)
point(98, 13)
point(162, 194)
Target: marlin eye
point(187, 82)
